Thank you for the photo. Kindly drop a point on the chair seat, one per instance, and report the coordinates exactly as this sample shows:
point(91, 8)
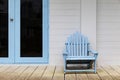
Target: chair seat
point(80, 58)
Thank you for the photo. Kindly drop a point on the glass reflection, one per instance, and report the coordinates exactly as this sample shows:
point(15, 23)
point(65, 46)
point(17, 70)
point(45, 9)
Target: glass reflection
point(3, 28)
point(31, 28)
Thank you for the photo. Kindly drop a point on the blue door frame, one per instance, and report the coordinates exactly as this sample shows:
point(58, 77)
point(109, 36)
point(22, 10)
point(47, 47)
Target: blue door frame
point(14, 36)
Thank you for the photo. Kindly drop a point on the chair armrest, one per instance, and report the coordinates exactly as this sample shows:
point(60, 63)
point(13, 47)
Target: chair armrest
point(94, 52)
point(65, 53)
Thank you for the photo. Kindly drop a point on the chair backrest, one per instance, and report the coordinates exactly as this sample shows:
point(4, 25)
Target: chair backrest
point(77, 45)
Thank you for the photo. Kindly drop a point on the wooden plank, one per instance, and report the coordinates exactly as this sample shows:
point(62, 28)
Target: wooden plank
point(70, 76)
point(38, 73)
point(48, 74)
point(17, 72)
point(80, 46)
point(59, 74)
point(4, 68)
point(6, 74)
point(77, 41)
point(86, 50)
point(74, 45)
point(93, 76)
point(56, 73)
point(82, 76)
point(112, 72)
point(11, 69)
point(116, 68)
point(69, 46)
point(72, 53)
point(103, 74)
point(27, 73)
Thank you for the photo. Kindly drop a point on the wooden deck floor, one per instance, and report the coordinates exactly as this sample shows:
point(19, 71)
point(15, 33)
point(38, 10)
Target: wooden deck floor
point(22, 72)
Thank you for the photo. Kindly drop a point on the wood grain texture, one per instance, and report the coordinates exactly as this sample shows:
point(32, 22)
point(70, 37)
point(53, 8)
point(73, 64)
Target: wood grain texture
point(70, 76)
point(82, 76)
point(56, 73)
point(103, 74)
point(49, 73)
point(115, 75)
point(38, 73)
point(27, 73)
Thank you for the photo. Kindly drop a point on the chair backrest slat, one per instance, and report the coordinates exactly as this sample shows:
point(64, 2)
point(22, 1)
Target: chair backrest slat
point(77, 45)
point(77, 49)
point(68, 46)
point(72, 47)
point(85, 46)
point(82, 46)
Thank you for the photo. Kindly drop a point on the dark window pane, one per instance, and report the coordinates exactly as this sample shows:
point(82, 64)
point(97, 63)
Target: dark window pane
point(3, 28)
point(31, 28)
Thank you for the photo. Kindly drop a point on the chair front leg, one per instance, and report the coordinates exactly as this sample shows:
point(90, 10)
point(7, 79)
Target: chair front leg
point(95, 66)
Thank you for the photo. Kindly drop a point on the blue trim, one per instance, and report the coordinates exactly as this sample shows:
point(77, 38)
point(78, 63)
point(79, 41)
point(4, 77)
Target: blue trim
point(10, 59)
point(46, 30)
point(14, 36)
point(45, 57)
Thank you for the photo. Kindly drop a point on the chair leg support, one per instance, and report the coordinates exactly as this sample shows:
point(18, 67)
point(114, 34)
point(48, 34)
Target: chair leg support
point(95, 66)
point(65, 65)
point(64, 75)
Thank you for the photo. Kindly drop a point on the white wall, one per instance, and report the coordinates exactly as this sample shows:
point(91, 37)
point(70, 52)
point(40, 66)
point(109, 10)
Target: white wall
point(108, 31)
point(88, 20)
point(66, 17)
point(64, 20)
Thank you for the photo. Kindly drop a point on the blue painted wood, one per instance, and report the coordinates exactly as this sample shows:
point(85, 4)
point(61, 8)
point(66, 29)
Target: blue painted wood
point(77, 48)
point(80, 45)
point(14, 35)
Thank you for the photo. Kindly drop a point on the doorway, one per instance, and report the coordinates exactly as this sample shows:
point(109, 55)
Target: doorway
point(23, 31)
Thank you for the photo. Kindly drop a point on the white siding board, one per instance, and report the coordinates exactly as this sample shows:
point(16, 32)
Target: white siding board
point(111, 6)
point(88, 20)
point(64, 1)
point(109, 18)
point(65, 13)
point(108, 31)
point(107, 1)
point(64, 20)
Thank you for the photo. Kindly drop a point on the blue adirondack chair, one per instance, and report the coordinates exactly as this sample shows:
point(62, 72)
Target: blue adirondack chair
point(77, 50)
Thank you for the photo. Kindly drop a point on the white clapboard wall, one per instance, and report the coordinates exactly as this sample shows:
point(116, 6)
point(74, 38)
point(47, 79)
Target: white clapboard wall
point(66, 17)
point(108, 31)
point(64, 20)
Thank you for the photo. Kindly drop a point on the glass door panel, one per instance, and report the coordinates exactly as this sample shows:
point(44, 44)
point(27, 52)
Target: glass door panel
point(6, 31)
point(24, 31)
point(31, 32)
point(31, 28)
point(4, 28)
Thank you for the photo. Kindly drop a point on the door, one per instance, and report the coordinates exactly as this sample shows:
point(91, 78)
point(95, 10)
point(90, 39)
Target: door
point(27, 35)
point(31, 32)
point(6, 31)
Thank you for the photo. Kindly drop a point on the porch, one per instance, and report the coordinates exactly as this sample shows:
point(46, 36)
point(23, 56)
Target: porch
point(42, 72)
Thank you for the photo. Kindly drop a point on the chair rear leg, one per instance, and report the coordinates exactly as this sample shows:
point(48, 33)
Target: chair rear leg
point(90, 65)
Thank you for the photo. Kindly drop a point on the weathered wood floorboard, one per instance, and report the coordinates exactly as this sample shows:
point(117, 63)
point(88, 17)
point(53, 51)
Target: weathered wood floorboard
point(8, 72)
point(103, 74)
